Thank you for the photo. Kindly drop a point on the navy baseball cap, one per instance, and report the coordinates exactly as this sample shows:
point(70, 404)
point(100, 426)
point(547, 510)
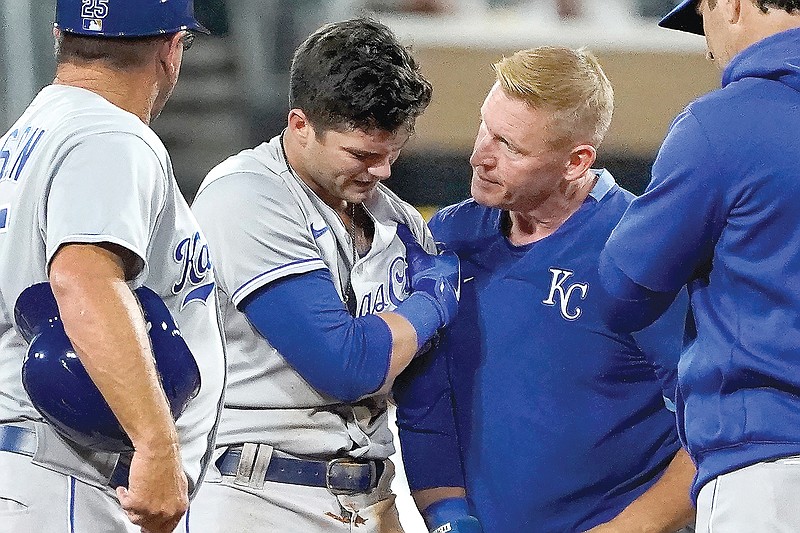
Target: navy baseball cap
point(126, 18)
point(684, 18)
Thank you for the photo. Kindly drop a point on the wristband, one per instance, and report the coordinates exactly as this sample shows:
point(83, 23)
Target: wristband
point(423, 314)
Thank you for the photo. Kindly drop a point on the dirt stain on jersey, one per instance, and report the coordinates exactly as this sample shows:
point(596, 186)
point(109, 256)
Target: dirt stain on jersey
point(357, 521)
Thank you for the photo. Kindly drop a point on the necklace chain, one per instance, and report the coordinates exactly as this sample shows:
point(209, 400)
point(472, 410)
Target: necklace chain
point(351, 230)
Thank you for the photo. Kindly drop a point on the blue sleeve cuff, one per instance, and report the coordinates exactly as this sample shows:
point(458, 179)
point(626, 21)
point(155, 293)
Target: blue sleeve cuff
point(420, 310)
point(450, 515)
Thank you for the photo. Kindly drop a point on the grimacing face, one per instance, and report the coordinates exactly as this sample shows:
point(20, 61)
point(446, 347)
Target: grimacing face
point(513, 165)
point(347, 166)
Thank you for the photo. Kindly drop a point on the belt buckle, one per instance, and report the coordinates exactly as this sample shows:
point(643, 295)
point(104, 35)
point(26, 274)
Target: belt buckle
point(339, 461)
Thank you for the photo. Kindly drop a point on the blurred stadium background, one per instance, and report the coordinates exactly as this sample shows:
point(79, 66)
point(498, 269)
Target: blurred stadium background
point(233, 89)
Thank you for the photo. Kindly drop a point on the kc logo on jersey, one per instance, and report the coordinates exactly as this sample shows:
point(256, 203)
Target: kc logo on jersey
point(192, 254)
point(562, 293)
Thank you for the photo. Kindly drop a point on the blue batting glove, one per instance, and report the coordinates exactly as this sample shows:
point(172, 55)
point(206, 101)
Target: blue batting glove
point(438, 276)
point(450, 515)
point(435, 285)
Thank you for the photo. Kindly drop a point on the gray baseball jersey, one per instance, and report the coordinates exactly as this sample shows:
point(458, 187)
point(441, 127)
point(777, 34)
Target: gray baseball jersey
point(263, 223)
point(77, 169)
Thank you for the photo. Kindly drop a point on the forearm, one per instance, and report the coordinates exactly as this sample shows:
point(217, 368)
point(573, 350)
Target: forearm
point(426, 424)
point(404, 347)
point(104, 323)
point(665, 507)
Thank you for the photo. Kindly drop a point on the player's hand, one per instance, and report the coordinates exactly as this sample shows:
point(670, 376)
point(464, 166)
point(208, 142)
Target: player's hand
point(438, 276)
point(157, 494)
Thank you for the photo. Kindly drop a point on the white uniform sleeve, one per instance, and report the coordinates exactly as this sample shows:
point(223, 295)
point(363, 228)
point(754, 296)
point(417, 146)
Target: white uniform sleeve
point(110, 188)
point(256, 234)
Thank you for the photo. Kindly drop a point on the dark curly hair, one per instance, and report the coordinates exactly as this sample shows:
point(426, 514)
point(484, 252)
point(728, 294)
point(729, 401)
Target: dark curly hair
point(790, 6)
point(356, 75)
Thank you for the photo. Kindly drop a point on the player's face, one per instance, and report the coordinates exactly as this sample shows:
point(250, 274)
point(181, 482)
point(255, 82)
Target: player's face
point(514, 167)
point(347, 166)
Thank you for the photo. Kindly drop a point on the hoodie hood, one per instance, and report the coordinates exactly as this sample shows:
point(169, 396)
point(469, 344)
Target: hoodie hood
point(775, 58)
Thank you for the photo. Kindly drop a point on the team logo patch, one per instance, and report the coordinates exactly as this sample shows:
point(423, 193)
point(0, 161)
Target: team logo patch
point(560, 293)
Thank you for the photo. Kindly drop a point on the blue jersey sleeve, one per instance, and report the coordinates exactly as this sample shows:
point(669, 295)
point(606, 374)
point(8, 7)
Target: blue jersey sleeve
point(426, 424)
point(303, 318)
point(425, 417)
point(655, 250)
point(661, 343)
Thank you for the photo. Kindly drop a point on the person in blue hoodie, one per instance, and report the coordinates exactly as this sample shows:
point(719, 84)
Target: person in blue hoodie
point(530, 415)
point(721, 215)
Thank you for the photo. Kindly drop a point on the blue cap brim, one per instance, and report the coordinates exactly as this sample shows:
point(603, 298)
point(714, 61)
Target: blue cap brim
point(684, 18)
point(196, 26)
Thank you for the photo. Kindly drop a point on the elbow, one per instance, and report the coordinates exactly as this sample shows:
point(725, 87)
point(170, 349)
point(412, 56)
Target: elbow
point(364, 359)
point(357, 369)
point(626, 316)
point(349, 389)
point(623, 303)
point(620, 316)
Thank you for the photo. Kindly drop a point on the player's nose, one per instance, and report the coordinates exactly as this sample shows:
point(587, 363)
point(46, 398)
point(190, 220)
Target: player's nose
point(381, 169)
point(481, 155)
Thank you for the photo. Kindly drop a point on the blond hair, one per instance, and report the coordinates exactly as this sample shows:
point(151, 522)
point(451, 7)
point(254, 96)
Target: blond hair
point(569, 83)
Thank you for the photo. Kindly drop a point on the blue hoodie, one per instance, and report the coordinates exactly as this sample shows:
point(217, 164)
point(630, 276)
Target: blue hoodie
point(722, 214)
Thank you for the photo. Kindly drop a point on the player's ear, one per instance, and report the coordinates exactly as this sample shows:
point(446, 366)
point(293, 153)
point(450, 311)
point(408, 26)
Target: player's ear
point(581, 159)
point(299, 126)
point(170, 53)
point(732, 9)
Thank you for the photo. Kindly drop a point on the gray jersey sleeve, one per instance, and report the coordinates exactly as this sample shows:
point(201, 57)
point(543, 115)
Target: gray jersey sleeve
point(110, 188)
point(256, 234)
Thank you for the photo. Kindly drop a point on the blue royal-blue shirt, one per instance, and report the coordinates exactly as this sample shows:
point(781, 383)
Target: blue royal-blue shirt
point(551, 422)
point(722, 214)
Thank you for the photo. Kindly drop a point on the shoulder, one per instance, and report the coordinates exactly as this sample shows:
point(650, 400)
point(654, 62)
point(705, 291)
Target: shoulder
point(611, 197)
point(88, 114)
point(386, 206)
point(715, 117)
point(260, 166)
point(465, 221)
point(85, 123)
point(456, 214)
